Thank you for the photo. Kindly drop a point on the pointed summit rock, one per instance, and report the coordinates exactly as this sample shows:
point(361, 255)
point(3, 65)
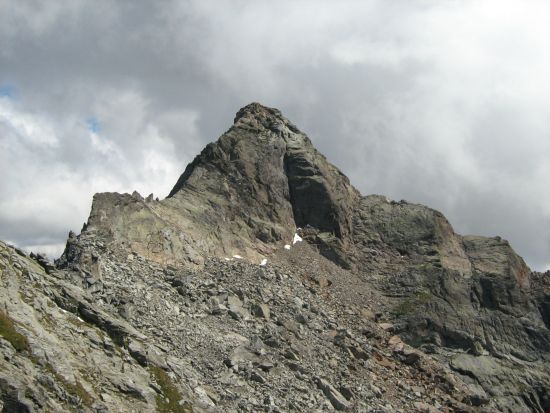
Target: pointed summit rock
point(244, 194)
point(264, 162)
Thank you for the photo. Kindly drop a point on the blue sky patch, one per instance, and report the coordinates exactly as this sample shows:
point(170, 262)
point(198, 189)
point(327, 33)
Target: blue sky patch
point(7, 90)
point(93, 125)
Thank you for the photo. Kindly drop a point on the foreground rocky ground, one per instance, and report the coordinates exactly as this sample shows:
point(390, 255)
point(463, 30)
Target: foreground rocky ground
point(233, 336)
point(267, 282)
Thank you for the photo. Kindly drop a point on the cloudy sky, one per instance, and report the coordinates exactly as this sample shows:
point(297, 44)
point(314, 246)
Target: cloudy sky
point(441, 102)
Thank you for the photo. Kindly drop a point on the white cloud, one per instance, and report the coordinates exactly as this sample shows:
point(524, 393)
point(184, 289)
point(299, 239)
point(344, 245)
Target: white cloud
point(46, 192)
point(35, 130)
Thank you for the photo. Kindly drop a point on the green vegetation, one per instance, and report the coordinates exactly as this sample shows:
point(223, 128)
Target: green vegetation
point(8, 331)
point(404, 308)
point(409, 305)
point(169, 401)
point(423, 297)
point(75, 389)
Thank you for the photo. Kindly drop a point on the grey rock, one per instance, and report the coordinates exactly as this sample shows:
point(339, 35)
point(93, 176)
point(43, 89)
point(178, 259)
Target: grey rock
point(261, 310)
point(257, 377)
point(338, 401)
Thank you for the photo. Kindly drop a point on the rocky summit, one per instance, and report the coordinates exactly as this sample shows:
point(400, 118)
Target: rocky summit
point(265, 282)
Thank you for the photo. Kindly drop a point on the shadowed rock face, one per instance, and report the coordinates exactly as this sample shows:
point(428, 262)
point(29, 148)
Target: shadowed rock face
point(274, 171)
point(466, 299)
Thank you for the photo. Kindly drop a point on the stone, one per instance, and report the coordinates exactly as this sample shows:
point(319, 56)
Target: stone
point(410, 355)
point(137, 351)
point(266, 366)
point(367, 314)
point(261, 310)
point(257, 377)
point(386, 326)
point(359, 353)
point(425, 408)
point(324, 282)
point(338, 401)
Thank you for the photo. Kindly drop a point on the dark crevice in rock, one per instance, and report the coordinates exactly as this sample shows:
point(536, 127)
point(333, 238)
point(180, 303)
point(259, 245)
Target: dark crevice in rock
point(544, 308)
point(534, 398)
point(309, 198)
point(13, 399)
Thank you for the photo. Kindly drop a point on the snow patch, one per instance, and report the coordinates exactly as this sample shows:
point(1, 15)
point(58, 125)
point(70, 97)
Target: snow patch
point(296, 239)
point(237, 257)
point(287, 247)
point(263, 263)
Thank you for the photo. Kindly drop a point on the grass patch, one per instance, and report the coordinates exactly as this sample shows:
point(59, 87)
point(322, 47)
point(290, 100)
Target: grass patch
point(404, 308)
point(423, 297)
point(75, 389)
point(169, 401)
point(8, 331)
point(411, 304)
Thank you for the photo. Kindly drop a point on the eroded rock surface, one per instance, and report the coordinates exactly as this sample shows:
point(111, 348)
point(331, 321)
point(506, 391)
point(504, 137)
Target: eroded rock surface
point(381, 307)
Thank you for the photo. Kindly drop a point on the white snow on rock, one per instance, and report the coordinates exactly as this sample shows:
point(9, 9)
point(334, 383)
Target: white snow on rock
point(296, 239)
point(238, 257)
point(264, 262)
point(228, 259)
point(287, 247)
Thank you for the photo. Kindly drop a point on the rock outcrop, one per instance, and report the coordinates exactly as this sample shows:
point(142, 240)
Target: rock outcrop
point(209, 301)
point(467, 300)
point(243, 195)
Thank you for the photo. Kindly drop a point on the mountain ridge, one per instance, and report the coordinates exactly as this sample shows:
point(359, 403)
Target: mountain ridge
point(390, 286)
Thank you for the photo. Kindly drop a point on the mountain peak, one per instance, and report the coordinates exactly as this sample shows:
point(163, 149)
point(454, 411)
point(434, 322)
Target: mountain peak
point(256, 116)
point(262, 187)
point(259, 111)
point(266, 173)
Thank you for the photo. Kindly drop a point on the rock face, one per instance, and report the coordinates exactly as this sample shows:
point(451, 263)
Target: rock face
point(244, 194)
point(467, 300)
point(381, 307)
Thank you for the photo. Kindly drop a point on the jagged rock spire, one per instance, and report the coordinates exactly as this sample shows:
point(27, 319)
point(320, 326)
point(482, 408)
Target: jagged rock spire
point(266, 172)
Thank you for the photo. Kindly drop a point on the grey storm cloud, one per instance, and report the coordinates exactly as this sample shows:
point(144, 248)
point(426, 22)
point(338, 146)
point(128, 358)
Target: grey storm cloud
point(445, 103)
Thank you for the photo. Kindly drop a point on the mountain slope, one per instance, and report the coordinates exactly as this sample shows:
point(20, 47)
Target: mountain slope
point(335, 315)
point(231, 336)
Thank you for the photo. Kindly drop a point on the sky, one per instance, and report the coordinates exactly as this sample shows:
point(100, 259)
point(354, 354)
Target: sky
point(439, 102)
